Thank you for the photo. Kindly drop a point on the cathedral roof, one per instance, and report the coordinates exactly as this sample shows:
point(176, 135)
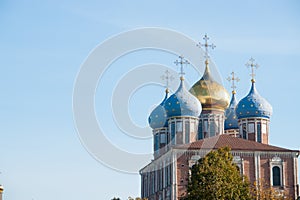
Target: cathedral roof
point(182, 103)
point(236, 144)
point(253, 105)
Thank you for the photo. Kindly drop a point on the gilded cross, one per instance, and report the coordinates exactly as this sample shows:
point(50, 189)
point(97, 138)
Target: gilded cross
point(206, 45)
point(181, 62)
point(233, 79)
point(253, 66)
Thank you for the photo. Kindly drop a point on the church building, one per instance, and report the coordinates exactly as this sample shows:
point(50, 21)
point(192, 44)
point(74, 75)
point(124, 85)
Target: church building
point(191, 122)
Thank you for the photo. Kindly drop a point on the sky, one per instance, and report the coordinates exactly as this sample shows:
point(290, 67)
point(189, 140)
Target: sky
point(44, 44)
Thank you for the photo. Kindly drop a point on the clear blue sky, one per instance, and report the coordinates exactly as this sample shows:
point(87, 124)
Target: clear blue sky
point(44, 43)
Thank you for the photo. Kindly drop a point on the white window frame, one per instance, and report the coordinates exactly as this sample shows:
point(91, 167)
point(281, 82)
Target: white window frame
point(277, 162)
point(239, 162)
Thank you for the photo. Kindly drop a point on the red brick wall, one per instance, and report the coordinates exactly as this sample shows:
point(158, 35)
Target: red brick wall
point(265, 170)
point(265, 138)
point(249, 169)
point(182, 173)
point(288, 168)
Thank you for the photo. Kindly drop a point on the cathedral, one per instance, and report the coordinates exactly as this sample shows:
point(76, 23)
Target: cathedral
point(191, 122)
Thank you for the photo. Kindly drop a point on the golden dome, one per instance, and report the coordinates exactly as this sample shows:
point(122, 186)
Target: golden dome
point(1, 189)
point(211, 94)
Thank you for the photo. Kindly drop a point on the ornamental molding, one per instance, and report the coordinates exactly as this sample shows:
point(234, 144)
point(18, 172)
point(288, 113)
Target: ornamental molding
point(167, 158)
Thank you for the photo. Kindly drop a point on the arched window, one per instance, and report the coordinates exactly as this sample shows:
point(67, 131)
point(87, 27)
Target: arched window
point(187, 132)
point(156, 142)
point(259, 138)
point(200, 135)
point(276, 176)
point(244, 129)
point(239, 163)
point(173, 133)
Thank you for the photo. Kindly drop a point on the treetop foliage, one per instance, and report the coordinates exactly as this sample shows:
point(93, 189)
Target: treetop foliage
point(216, 177)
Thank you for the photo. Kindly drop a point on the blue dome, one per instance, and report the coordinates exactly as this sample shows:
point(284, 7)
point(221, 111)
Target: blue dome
point(253, 105)
point(231, 121)
point(183, 103)
point(158, 117)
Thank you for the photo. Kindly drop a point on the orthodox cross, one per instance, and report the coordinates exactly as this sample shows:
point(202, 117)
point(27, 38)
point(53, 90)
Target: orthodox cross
point(251, 64)
point(206, 45)
point(168, 77)
point(181, 62)
point(233, 79)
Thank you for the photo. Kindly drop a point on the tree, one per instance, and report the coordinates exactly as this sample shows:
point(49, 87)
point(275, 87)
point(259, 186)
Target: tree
point(137, 198)
point(130, 198)
point(216, 177)
point(263, 191)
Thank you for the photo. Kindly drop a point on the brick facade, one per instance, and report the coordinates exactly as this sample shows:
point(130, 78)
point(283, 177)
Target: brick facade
point(256, 163)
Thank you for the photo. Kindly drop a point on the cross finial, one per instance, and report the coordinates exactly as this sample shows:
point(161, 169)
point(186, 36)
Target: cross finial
point(181, 62)
point(168, 77)
point(253, 66)
point(206, 45)
point(233, 79)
